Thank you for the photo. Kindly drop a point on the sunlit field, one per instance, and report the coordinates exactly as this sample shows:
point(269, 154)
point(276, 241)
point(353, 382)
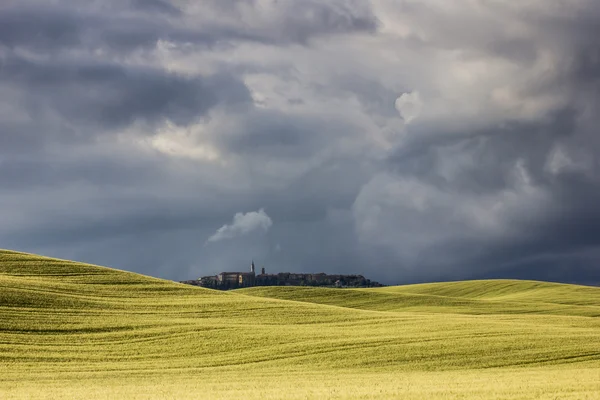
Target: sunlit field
point(71, 330)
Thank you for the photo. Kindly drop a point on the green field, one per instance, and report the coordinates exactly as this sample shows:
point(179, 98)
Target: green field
point(72, 330)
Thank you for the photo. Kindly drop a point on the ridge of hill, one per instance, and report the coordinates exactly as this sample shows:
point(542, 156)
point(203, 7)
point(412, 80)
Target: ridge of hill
point(74, 330)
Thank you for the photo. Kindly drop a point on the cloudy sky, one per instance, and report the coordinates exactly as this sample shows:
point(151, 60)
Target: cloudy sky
point(407, 140)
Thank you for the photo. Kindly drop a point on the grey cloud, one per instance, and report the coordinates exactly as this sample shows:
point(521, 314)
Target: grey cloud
point(54, 28)
point(307, 19)
point(447, 189)
point(497, 177)
point(113, 95)
point(42, 29)
point(374, 96)
point(125, 26)
point(275, 134)
point(299, 22)
point(551, 237)
point(158, 6)
point(46, 170)
point(488, 153)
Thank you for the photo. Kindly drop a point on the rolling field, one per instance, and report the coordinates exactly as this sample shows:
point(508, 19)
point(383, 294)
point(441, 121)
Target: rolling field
point(71, 330)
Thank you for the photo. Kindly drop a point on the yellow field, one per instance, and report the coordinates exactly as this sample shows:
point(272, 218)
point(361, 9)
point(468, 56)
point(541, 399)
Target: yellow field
point(70, 330)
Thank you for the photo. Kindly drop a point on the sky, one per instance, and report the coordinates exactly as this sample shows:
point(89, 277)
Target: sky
point(405, 140)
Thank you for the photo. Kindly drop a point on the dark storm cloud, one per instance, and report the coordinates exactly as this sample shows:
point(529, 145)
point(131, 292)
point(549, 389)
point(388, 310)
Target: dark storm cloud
point(494, 151)
point(498, 199)
point(44, 171)
point(279, 135)
point(560, 217)
point(131, 131)
point(157, 6)
point(53, 28)
point(125, 26)
point(39, 29)
point(105, 96)
point(298, 22)
point(304, 20)
point(562, 246)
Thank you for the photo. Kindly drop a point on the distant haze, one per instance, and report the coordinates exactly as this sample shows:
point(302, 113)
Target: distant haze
point(412, 140)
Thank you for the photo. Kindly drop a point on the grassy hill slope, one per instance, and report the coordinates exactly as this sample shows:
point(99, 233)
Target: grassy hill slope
point(505, 289)
point(468, 297)
point(72, 330)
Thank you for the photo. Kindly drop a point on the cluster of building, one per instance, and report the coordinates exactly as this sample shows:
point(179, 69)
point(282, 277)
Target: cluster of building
point(236, 280)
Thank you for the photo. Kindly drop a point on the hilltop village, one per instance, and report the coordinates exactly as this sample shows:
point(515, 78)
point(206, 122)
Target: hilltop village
point(236, 280)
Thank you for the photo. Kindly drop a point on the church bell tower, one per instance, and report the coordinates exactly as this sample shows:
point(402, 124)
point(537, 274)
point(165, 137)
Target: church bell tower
point(252, 268)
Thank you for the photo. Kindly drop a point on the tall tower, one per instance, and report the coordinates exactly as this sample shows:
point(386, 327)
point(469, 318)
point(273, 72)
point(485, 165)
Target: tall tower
point(252, 269)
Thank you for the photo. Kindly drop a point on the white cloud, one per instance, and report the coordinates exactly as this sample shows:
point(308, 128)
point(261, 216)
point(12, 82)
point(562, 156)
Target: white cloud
point(183, 142)
point(409, 105)
point(243, 224)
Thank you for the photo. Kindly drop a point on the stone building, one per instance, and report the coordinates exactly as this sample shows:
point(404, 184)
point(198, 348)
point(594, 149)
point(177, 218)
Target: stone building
point(232, 280)
point(236, 280)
